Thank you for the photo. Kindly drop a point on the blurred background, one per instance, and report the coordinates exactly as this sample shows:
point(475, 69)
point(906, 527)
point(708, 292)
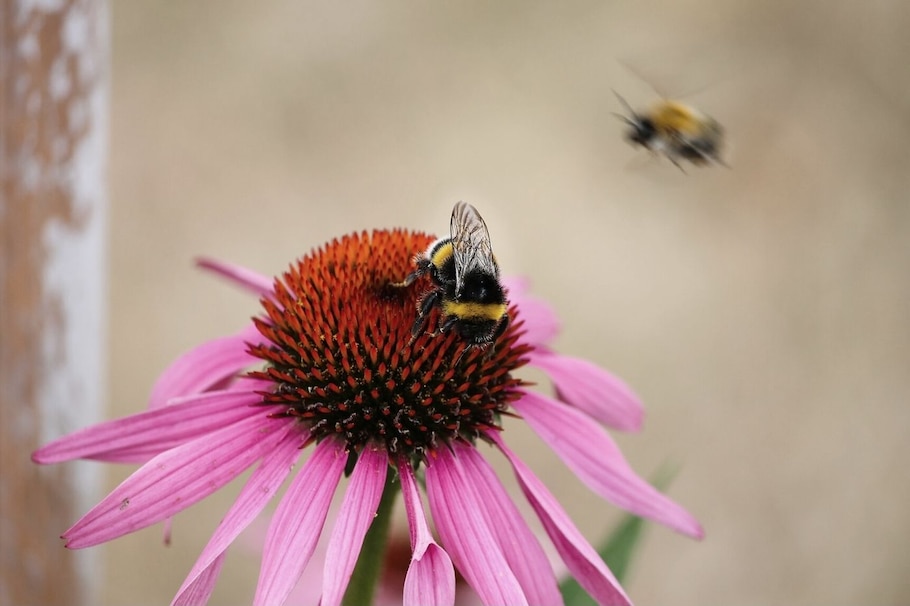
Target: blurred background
point(761, 311)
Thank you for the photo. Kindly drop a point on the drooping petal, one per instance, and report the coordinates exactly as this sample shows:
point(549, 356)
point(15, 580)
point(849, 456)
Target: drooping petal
point(298, 522)
point(418, 529)
point(541, 324)
point(359, 507)
point(523, 552)
point(591, 454)
point(256, 494)
point(430, 579)
point(200, 590)
point(205, 366)
point(176, 479)
point(466, 533)
point(592, 390)
point(149, 433)
point(241, 276)
point(583, 562)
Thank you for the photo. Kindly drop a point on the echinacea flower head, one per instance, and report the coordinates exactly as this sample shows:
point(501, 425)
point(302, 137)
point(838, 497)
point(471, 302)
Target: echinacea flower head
point(345, 364)
point(337, 374)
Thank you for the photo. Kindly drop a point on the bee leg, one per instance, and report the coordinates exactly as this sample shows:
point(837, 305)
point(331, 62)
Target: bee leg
point(423, 314)
point(410, 279)
point(464, 352)
point(500, 329)
point(678, 165)
point(428, 303)
point(448, 324)
point(423, 266)
point(419, 327)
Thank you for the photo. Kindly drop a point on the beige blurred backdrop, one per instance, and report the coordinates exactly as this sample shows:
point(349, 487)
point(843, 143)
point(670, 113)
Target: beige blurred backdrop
point(761, 312)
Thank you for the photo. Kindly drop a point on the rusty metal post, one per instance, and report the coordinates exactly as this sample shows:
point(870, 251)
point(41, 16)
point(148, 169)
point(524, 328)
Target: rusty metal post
point(54, 81)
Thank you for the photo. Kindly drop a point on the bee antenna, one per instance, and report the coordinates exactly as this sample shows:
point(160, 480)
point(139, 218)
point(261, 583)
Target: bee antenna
point(626, 105)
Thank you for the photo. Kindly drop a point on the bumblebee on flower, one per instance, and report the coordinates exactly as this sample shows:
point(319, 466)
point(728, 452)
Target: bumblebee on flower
point(465, 277)
point(342, 366)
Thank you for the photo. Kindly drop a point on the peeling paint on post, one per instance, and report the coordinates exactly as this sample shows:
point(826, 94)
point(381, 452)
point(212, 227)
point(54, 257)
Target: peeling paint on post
point(54, 70)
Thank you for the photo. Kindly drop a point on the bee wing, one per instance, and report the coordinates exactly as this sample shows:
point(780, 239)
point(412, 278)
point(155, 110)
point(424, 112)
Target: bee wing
point(471, 243)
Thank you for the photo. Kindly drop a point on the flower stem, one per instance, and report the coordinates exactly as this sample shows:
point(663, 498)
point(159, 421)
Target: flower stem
point(369, 565)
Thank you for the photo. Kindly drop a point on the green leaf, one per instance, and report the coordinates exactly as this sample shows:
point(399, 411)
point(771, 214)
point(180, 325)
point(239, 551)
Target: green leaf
point(618, 549)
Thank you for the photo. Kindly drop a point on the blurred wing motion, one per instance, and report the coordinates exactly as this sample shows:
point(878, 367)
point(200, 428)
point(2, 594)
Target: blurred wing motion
point(470, 243)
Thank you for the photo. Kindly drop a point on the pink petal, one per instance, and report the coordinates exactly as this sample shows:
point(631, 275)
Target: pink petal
point(298, 522)
point(243, 277)
point(591, 454)
point(591, 389)
point(151, 432)
point(524, 554)
point(430, 580)
point(176, 479)
point(583, 562)
point(258, 491)
point(466, 533)
point(205, 366)
point(361, 502)
point(541, 324)
point(200, 590)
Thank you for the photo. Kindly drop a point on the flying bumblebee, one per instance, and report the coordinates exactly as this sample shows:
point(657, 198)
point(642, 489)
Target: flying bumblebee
point(465, 277)
point(676, 130)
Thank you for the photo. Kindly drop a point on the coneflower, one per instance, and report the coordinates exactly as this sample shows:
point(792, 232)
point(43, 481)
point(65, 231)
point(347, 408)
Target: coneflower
point(337, 372)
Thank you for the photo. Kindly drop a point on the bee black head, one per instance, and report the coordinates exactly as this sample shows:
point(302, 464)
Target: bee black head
point(641, 131)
